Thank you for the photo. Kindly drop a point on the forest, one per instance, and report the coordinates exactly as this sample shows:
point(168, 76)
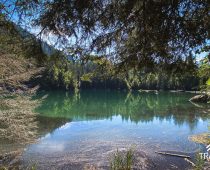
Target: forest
point(64, 71)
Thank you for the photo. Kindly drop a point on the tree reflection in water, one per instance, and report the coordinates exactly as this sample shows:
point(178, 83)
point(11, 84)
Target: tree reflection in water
point(134, 106)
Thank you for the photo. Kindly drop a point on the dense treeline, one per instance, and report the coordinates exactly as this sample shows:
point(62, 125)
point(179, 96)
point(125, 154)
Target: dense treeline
point(97, 72)
point(64, 71)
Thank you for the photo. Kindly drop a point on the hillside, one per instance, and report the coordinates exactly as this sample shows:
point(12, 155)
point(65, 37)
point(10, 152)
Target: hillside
point(19, 57)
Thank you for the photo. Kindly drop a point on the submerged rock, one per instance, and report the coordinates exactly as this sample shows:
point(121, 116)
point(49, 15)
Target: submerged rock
point(203, 98)
point(200, 138)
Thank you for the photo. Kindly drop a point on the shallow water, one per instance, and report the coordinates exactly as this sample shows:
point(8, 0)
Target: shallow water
point(86, 128)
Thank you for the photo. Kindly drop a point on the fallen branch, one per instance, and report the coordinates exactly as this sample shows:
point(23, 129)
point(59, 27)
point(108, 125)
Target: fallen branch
point(172, 154)
point(186, 159)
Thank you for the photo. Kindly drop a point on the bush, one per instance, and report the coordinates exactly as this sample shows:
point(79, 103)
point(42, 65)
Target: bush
point(121, 160)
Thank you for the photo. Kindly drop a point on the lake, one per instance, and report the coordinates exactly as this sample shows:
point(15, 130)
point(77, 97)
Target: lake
point(79, 130)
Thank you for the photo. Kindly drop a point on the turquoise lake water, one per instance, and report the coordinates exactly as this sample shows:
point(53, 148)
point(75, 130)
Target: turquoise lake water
point(87, 127)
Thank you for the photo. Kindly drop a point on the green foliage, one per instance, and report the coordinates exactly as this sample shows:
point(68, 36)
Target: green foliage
point(63, 72)
point(122, 161)
point(199, 162)
point(67, 78)
point(55, 72)
point(204, 74)
point(33, 167)
point(141, 55)
point(59, 72)
point(13, 42)
point(87, 77)
point(132, 33)
point(208, 82)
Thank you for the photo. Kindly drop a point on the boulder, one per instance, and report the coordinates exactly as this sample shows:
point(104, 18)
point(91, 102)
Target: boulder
point(202, 98)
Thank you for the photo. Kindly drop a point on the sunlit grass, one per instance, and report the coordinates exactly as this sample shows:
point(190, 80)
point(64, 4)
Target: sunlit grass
point(121, 160)
point(199, 162)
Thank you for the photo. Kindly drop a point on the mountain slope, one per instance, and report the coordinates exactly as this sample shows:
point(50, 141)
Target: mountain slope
point(20, 59)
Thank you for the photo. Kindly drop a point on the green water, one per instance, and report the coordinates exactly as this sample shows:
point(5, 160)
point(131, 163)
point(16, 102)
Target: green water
point(135, 107)
point(86, 127)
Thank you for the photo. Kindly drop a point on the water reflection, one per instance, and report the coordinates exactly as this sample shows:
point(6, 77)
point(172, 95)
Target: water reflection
point(135, 107)
point(85, 128)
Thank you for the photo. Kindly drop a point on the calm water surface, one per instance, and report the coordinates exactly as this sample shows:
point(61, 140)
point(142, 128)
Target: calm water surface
point(87, 127)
